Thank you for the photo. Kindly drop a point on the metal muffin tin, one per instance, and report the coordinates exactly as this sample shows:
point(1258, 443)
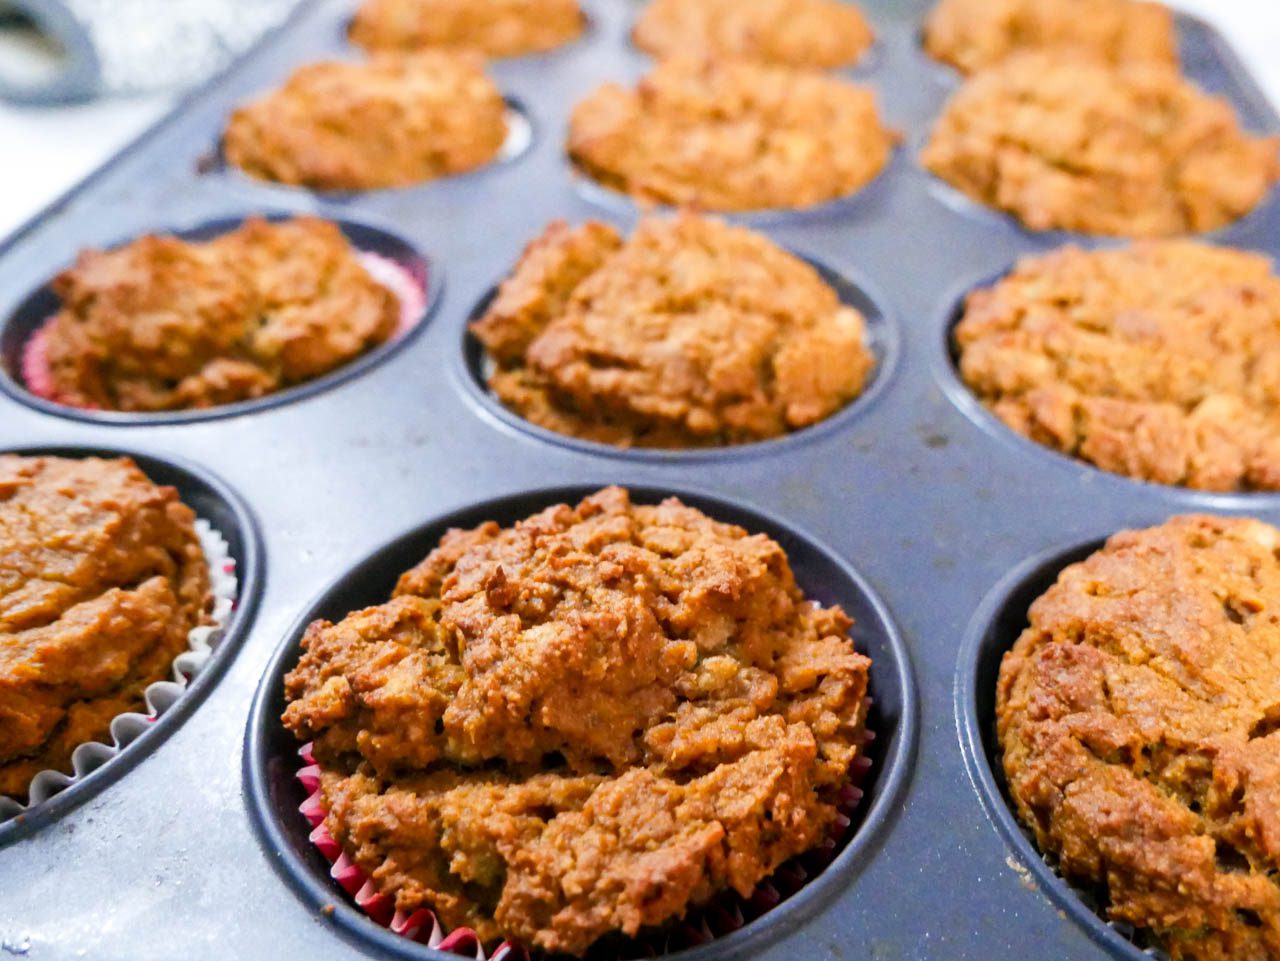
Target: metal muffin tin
point(185, 847)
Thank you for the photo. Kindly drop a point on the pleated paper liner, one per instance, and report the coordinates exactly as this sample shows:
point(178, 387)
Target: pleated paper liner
point(409, 291)
point(160, 696)
point(721, 916)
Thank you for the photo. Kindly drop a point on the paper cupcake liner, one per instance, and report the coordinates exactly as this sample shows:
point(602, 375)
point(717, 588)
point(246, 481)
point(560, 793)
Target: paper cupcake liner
point(721, 916)
point(408, 290)
point(202, 642)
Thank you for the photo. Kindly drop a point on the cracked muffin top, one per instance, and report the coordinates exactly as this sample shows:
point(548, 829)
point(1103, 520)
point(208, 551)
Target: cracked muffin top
point(692, 333)
point(584, 723)
point(392, 121)
point(101, 579)
point(822, 34)
point(497, 28)
point(1139, 716)
point(1160, 362)
point(973, 34)
point(1072, 144)
point(166, 324)
point(717, 134)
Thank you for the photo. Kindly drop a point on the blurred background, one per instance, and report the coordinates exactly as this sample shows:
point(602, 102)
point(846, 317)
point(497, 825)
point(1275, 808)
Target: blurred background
point(79, 79)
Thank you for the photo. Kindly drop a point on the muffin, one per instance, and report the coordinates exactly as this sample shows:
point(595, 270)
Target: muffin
point(1139, 719)
point(166, 324)
point(586, 723)
point(390, 122)
point(731, 135)
point(974, 34)
point(1073, 144)
point(497, 28)
point(1159, 362)
point(102, 578)
point(692, 333)
point(822, 34)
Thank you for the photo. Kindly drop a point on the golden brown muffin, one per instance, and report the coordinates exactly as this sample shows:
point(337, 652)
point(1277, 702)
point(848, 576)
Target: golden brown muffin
point(101, 579)
point(498, 28)
point(974, 34)
point(1077, 145)
point(1160, 362)
point(690, 334)
point(164, 324)
point(731, 135)
point(390, 122)
point(821, 34)
point(585, 723)
point(1139, 715)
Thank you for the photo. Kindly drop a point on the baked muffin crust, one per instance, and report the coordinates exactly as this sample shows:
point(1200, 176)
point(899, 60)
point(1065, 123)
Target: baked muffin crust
point(101, 579)
point(1139, 716)
point(390, 122)
point(692, 333)
point(974, 34)
point(1159, 362)
point(584, 723)
point(724, 135)
point(498, 28)
point(166, 324)
point(822, 34)
point(1072, 144)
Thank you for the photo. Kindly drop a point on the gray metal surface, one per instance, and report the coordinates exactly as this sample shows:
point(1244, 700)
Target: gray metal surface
point(924, 494)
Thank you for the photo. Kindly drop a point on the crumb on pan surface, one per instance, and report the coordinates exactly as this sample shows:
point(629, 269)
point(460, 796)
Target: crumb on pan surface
point(720, 134)
point(822, 34)
point(691, 333)
point(102, 577)
point(585, 723)
point(1160, 361)
point(391, 121)
point(166, 324)
point(1139, 717)
point(498, 28)
point(973, 34)
point(1070, 144)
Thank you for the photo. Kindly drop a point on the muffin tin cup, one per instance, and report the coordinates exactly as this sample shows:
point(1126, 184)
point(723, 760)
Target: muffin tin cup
point(946, 366)
point(724, 915)
point(229, 540)
point(286, 811)
point(397, 265)
point(160, 696)
point(522, 133)
point(993, 630)
point(473, 368)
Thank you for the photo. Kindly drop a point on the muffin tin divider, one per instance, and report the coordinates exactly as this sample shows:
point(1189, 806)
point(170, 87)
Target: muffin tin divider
point(931, 506)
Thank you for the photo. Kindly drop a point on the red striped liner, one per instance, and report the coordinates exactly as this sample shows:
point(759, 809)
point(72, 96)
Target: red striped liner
point(721, 916)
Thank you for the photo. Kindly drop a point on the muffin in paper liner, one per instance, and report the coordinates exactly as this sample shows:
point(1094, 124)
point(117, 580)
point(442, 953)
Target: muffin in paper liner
point(724, 914)
point(410, 291)
point(202, 642)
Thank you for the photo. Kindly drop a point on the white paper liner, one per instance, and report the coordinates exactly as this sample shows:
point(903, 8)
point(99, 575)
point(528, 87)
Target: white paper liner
point(160, 696)
point(519, 135)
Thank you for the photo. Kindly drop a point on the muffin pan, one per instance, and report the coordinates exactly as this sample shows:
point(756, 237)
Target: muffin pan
point(931, 502)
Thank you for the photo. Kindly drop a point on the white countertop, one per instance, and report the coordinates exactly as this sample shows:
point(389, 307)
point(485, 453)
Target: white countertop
point(44, 152)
